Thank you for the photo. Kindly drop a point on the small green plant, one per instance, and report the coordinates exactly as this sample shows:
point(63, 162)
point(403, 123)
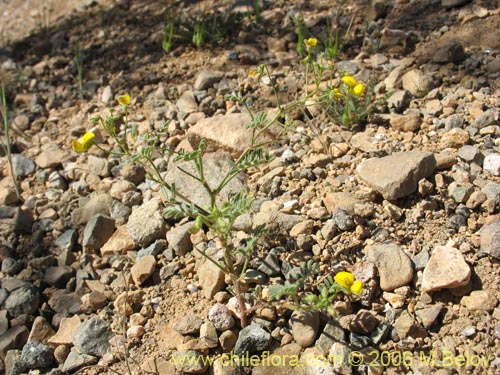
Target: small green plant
point(6, 143)
point(168, 34)
point(199, 33)
point(301, 31)
point(301, 294)
point(79, 67)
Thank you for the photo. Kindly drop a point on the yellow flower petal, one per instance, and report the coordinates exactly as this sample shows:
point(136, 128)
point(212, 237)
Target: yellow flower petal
point(336, 93)
point(349, 81)
point(84, 143)
point(311, 42)
point(124, 99)
point(344, 279)
point(358, 89)
point(357, 287)
point(253, 73)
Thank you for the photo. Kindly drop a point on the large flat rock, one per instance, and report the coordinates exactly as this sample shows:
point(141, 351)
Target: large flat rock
point(397, 176)
point(228, 133)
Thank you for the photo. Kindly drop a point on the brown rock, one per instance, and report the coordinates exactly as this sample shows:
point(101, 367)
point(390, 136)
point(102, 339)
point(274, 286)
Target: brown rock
point(406, 123)
point(417, 82)
point(455, 138)
point(41, 330)
point(397, 175)
point(143, 269)
point(64, 335)
point(446, 269)
point(211, 279)
point(119, 243)
point(393, 265)
point(480, 300)
point(14, 338)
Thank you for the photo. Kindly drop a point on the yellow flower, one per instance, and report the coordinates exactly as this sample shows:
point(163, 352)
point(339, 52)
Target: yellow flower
point(346, 281)
point(357, 287)
point(83, 144)
point(349, 81)
point(358, 89)
point(311, 42)
point(336, 93)
point(124, 100)
point(253, 73)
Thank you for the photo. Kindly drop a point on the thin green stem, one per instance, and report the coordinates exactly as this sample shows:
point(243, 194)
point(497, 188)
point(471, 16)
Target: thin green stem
point(7, 144)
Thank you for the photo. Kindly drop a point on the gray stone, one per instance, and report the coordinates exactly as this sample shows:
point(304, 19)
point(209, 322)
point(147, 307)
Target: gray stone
point(10, 266)
point(186, 104)
point(343, 358)
point(421, 259)
point(179, 239)
point(221, 317)
point(470, 154)
point(22, 165)
point(36, 355)
point(65, 303)
point(450, 51)
point(119, 212)
point(255, 277)
point(406, 326)
point(13, 364)
point(428, 315)
point(97, 231)
point(189, 361)
point(446, 269)
point(393, 265)
point(4, 322)
point(398, 101)
point(487, 118)
point(331, 333)
point(15, 220)
point(454, 121)
point(67, 240)
point(50, 158)
point(490, 239)
point(154, 249)
point(14, 338)
point(359, 341)
point(58, 276)
point(276, 222)
point(206, 79)
point(107, 95)
point(397, 176)
point(304, 327)
point(216, 166)
point(92, 337)
point(492, 191)
point(188, 325)
point(98, 204)
point(271, 264)
point(208, 335)
point(252, 339)
point(98, 166)
point(75, 361)
point(459, 193)
point(342, 220)
point(492, 164)
point(380, 332)
point(22, 300)
point(150, 213)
